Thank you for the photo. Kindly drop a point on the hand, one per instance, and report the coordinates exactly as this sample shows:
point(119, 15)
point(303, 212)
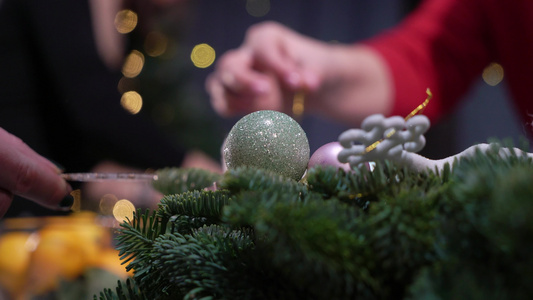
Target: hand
point(344, 82)
point(264, 72)
point(25, 173)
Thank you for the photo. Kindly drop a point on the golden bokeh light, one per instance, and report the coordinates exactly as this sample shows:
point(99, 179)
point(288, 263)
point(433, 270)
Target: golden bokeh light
point(155, 44)
point(125, 21)
point(298, 104)
point(257, 8)
point(493, 74)
point(107, 203)
point(76, 206)
point(123, 210)
point(133, 64)
point(203, 55)
point(132, 102)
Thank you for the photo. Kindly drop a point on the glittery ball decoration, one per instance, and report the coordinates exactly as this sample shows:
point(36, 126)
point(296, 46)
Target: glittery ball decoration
point(326, 155)
point(268, 140)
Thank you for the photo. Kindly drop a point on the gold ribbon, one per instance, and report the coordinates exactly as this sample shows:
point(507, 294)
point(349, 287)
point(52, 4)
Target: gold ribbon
point(298, 105)
point(418, 110)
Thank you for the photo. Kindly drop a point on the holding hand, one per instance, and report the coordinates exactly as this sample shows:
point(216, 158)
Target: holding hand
point(25, 173)
point(344, 82)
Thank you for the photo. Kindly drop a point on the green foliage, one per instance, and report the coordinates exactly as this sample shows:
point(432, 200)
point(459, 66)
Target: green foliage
point(390, 233)
point(124, 291)
point(201, 264)
point(178, 180)
point(192, 209)
point(486, 229)
point(250, 179)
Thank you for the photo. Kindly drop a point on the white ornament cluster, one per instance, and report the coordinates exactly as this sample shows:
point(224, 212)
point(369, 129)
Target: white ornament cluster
point(397, 139)
point(383, 138)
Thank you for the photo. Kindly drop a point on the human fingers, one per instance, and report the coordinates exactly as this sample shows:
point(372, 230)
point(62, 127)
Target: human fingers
point(21, 147)
point(236, 87)
point(270, 45)
point(290, 56)
point(225, 101)
point(5, 201)
point(236, 73)
point(263, 71)
point(27, 174)
point(216, 96)
point(228, 103)
point(40, 160)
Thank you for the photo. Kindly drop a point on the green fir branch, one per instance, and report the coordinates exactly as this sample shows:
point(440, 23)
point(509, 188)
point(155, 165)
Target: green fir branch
point(486, 228)
point(137, 235)
point(193, 209)
point(203, 263)
point(391, 233)
point(194, 203)
point(124, 291)
point(251, 179)
point(180, 180)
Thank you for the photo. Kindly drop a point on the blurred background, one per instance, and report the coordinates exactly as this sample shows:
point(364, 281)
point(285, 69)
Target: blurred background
point(484, 115)
point(83, 82)
point(122, 83)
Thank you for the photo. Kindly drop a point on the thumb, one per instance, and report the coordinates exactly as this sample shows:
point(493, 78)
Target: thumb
point(5, 201)
point(29, 175)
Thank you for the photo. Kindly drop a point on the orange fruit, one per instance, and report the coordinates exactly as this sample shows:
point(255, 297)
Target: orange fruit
point(56, 256)
point(67, 247)
point(15, 247)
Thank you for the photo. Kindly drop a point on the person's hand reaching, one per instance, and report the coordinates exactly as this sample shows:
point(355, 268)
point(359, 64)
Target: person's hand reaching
point(343, 82)
point(25, 173)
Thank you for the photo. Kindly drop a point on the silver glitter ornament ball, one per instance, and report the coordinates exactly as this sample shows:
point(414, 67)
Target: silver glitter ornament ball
point(268, 140)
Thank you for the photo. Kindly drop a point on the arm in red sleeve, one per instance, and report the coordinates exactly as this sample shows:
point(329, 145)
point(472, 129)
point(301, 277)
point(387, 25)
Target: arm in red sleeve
point(441, 46)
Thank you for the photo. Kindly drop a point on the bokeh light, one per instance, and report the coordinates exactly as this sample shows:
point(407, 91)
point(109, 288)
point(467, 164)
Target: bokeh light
point(123, 210)
point(133, 64)
point(155, 44)
point(493, 74)
point(107, 203)
point(203, 55)
point(76, 194)
point(257, 8)
point(298, 104)
point(132, 102)
point(125, 21)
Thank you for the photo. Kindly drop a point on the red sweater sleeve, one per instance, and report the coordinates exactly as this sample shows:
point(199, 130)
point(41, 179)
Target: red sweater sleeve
point(441, 46)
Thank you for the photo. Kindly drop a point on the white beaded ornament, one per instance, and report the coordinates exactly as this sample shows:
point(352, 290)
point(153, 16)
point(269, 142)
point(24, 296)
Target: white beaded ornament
point(396, 139)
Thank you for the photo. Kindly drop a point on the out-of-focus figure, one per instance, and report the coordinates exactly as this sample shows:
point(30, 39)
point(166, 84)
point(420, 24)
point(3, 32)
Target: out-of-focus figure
point(60, 92)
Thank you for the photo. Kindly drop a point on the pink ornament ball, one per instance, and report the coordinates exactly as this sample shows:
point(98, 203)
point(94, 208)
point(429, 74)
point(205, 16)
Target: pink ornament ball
point(326, 155)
